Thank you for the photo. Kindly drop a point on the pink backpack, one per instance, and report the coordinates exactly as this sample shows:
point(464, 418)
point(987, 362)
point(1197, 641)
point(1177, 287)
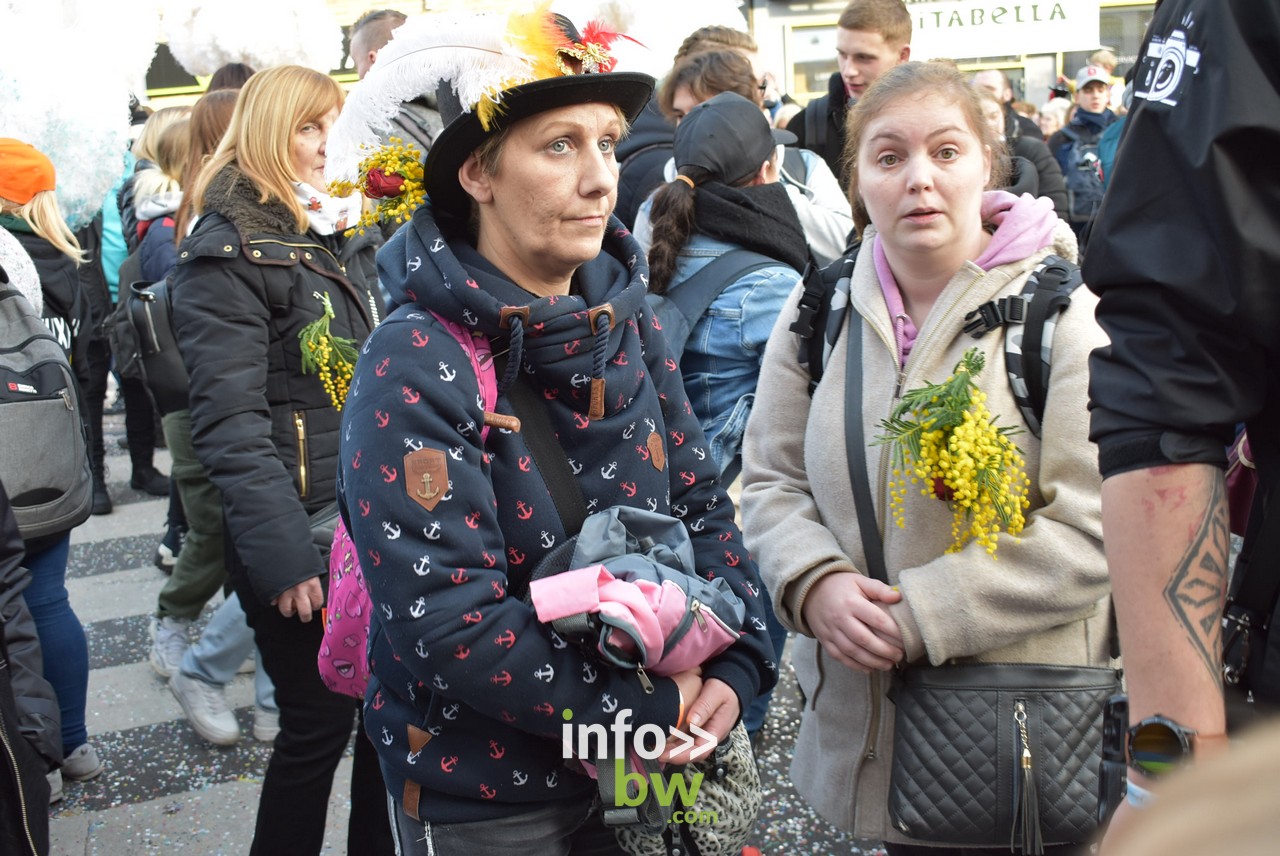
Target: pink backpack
point(344, 651)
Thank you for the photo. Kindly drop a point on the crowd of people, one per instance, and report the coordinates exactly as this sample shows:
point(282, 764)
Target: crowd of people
point(841, 349)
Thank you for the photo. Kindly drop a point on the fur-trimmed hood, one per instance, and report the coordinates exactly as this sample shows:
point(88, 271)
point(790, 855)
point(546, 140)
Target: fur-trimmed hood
point(237, 197)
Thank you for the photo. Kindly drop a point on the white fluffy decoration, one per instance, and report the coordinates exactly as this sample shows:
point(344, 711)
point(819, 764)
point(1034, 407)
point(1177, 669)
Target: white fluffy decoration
point(77, 114)
point(205, 35)
point(462, 46)
point(658, 25)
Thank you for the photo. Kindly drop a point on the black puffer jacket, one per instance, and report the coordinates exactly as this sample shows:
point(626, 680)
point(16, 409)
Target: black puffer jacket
point(244, 288)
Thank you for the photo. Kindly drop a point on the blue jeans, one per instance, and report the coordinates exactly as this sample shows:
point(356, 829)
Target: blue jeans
point(224, 645)
point(563, 829)
point(62, 641)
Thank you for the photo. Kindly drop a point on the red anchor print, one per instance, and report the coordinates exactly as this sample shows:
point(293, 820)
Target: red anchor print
point(725, 536)
point(447, 764)
point(539, 326)
point(462, 652)
point(471, 283)
point(516, 557)
point(459, 577)
point(572, 347)
point(629, 488)
point(507, 717)
point(381, 418)
point(502, 679)
point(489, 559)
point(355, 460)
point(378, 701)
point(671, 365)
point(496, 751)
point(732, 559)
point(420, 339)
point(486, 791)
point(473, 617)
point(643, 452)
point(551, 394)
point(677, 437)
point(506, 640)
point(545, 709)
point(411, 396)
point(473, 519)
point(389, 473)
point(621, 359)
point(376, 557)
point(524, 463)
point(523, 511)
point(365, 507)
point(498, 591)
point(412, 296)
point(687, 477)
point(657, 325)
point(381, 368)
point(581, 421)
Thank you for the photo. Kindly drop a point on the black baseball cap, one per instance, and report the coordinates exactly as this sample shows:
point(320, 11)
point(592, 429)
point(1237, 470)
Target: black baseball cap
point(728, 136)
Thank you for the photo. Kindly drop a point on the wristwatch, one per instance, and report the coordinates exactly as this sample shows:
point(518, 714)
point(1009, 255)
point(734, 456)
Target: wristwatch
point(1157, 745)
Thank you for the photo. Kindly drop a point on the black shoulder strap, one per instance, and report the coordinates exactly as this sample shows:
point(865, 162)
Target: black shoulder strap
point(548, 454)
point(793, 167)
point(819, 323)
point(696, 294)
point(815, 124)
point(856, 448)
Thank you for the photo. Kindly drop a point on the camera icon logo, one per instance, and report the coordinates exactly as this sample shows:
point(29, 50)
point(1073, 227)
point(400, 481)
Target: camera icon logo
point(1165, 70)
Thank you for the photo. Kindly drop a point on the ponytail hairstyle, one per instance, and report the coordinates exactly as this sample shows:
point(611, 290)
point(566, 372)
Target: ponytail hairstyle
point(170, 158)
point(43, 214)
point(672, 221)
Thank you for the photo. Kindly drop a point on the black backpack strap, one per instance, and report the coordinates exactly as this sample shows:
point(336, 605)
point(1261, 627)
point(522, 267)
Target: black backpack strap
point(820, 319)
point(693, 297)
point(1028, 357)
point(794, 170)
point(815, 124)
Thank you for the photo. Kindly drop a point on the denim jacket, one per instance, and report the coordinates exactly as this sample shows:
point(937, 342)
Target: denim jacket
point(721, 362)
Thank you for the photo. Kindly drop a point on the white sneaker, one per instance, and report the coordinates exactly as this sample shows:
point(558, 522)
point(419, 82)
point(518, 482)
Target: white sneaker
point(55, 786)
point(171, 642)
point(266, 725)
point(206, 709)
point(82, 764)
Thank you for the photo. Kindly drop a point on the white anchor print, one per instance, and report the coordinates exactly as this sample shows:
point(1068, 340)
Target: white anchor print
point(416, 316)
point(448, 492)
point(579, 380)
point(679, 510)
point(437, 245)
point(557, 641)
point(415, 263)
point(546, 673)
point(698, 526)
point(589, 674)
point(412, 444)
point(575, 466)
point(651, 425)
point(392, 530)
point(355, 388)
point(518, 778)
point(412, 757)
point(420, 649)
point(552, 779)
point(456, 453)
point(451, 712)
point(700, 453)
point(609, 471)
point(591, 504)
point(652, 503)
point(629, 431)
point(432, 534)
point(422, 567)
point(465, 430)
point(387, 739)
point(439, 683)
point(412, 695)
point(469, 317)
point(715, 500)
point(548, 540)
point(608, 703)
point(386, 610)
point(419, 608)
point(757, 622)
point(755, 592)
point(446, 374)
point(435, 730)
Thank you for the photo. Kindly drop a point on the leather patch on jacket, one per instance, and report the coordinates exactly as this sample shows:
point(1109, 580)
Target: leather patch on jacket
point(657, 451)
point(426, 477)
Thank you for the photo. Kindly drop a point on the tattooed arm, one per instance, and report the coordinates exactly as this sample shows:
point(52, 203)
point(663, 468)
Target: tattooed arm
point(1166, 537)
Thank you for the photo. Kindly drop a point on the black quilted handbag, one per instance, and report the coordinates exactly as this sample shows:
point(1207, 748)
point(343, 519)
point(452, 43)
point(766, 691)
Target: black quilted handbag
point(984, 754)
point(998, 755)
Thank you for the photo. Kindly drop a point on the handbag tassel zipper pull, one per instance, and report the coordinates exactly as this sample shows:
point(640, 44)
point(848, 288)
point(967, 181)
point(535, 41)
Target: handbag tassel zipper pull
point(1029, 802)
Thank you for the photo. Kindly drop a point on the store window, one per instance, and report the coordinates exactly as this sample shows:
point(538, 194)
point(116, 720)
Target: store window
point(1121, 29)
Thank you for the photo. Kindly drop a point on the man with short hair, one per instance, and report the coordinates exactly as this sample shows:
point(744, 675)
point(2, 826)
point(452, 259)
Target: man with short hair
point(872, 36)
point(419, 119)
point(997, 83)
point(1076, 147)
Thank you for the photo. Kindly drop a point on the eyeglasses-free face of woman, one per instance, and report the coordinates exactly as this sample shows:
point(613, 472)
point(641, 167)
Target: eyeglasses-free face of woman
point(921, 174)
point(307, 149)
point(544, 210)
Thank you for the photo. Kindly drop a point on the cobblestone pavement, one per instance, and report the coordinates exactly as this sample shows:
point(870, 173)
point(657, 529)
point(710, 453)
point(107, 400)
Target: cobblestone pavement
point(167, 791)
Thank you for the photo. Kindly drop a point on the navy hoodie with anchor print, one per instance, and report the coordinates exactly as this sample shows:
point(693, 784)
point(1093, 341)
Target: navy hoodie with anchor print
point(469, 690)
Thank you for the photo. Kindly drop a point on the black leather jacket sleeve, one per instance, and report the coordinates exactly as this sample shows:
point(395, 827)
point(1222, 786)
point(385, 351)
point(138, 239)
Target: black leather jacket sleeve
point(1186, 248)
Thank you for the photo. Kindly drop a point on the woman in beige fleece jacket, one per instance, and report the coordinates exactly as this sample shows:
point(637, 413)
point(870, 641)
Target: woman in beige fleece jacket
point(937, 246)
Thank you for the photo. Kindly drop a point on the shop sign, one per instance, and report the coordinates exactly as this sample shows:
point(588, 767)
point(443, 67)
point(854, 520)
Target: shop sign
point(981, 28)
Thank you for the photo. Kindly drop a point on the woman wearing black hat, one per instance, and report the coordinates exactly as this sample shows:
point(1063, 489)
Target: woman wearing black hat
point(449, 507)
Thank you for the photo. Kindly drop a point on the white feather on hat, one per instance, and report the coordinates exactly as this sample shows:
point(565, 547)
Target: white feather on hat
point(205, 35)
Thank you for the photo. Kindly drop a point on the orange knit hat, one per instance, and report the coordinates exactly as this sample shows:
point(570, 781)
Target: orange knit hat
point(24, 171)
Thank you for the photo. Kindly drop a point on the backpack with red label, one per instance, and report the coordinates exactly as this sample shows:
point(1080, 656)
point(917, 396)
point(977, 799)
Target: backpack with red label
point(344, 651)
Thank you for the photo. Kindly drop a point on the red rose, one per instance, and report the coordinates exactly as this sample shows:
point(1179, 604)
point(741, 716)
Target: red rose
point(379, 185)
point(941, 491)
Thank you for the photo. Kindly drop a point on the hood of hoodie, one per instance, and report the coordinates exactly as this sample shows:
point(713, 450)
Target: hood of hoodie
point(438, 269)
point(157, 205)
